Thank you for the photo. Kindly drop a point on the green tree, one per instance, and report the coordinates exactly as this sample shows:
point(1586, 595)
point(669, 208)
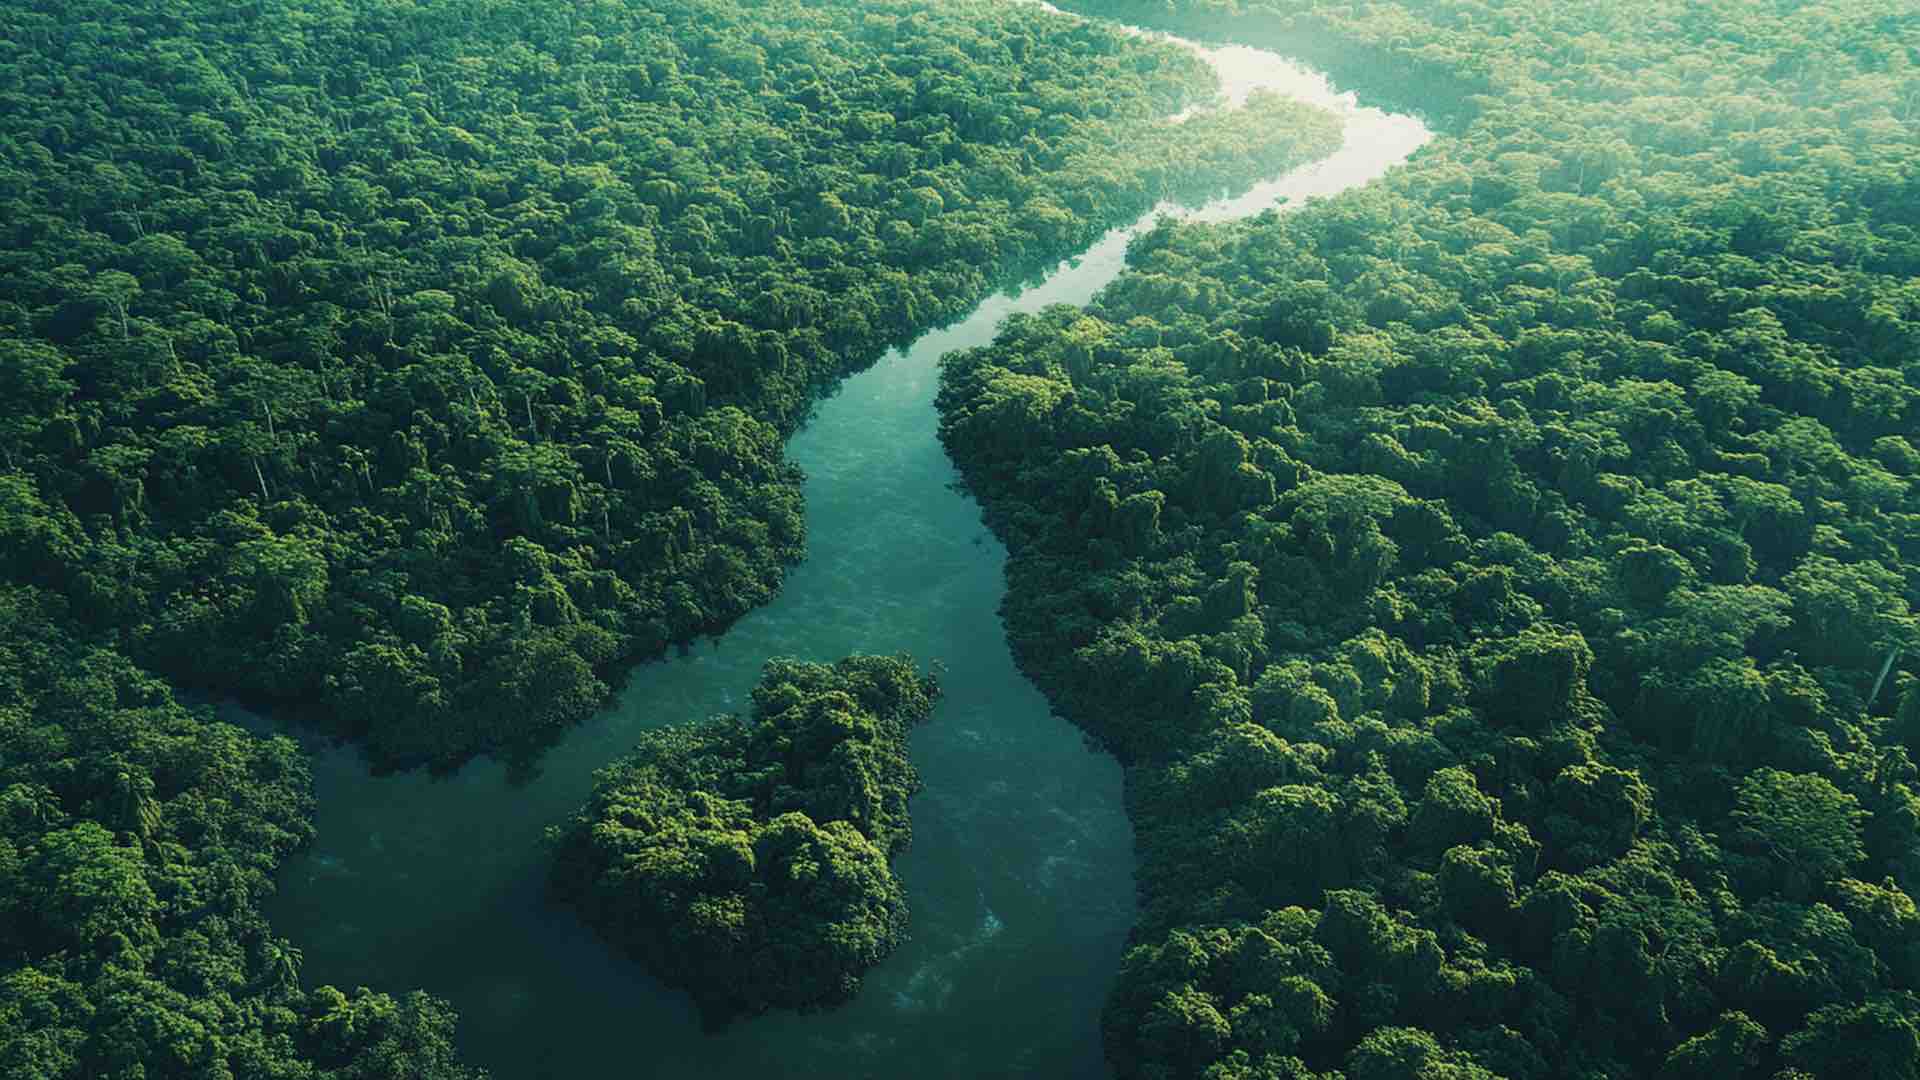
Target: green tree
point(1806, 829)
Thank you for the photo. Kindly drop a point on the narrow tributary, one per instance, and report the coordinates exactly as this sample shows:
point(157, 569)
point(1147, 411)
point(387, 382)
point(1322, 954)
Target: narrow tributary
point(1020, 875)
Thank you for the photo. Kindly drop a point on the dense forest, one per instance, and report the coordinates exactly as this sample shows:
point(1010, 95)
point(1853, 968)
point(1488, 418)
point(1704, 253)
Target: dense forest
point(137, 837)
point(416, 364)
point(1500, 582)
point(746, 857)
point(411, 366)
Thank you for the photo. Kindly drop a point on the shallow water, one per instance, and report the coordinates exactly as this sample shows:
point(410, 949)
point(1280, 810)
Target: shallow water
point(1020, 874)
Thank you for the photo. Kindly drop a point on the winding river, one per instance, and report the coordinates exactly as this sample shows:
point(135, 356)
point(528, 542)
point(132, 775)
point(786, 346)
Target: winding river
point(1020, 874)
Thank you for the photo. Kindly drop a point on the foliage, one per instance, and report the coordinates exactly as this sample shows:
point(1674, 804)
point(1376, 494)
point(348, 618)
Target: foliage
point(414, 365)
point(1502, 556)
point(418, 364)
point(137, 838)
point(745, 858)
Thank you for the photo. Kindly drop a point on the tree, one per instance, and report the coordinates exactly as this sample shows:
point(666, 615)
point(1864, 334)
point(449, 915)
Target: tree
point(1398, 1053)
point(33, 379)
point(1874, 1040)
point(88, 892)
point(1851, 613)
point(1734, 1048)
point(287, 578)
point(116, 289)
point(1807, 830)
point(1452, 811)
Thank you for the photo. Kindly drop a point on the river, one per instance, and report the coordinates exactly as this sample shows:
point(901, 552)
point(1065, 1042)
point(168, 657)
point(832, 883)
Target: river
point(1020, 877)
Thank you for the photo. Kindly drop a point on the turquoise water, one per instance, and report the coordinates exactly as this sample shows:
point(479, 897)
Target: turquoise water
point(1020, 874)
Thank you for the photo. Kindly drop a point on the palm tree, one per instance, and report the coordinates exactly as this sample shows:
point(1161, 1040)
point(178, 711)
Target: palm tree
point(283, 963)
point(139, 810)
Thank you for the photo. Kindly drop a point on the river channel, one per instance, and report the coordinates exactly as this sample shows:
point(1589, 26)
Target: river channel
point(1020, 877)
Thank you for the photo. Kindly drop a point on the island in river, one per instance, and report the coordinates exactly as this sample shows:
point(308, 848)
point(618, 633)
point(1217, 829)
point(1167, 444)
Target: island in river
point(746, 858)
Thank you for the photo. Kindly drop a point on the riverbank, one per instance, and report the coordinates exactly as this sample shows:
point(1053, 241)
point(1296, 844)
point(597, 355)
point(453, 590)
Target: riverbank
point(1457, 566)
point(1020, 878)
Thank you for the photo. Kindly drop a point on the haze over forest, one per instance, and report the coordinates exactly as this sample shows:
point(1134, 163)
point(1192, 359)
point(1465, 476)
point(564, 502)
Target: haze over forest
point(1496, 581)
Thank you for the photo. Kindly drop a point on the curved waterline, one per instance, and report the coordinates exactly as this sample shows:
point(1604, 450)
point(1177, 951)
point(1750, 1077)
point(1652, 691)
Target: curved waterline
point(1020, 874)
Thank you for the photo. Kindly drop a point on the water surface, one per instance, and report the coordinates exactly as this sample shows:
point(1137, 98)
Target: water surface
point(1020, 874)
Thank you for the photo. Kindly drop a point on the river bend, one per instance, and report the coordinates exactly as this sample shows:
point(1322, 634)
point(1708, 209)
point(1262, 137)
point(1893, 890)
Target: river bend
point(1020, 876)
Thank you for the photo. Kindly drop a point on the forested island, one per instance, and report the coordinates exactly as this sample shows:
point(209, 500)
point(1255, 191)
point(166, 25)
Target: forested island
point(746, 857)
point(1501, 581)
